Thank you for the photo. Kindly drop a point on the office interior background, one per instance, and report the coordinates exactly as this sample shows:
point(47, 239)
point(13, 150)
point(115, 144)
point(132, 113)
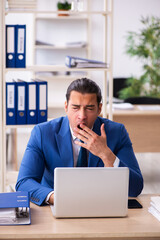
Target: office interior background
point(126, 17)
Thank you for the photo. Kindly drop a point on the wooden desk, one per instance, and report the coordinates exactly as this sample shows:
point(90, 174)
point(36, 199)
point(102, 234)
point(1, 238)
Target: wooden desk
point(143, 127)
point(139, 224)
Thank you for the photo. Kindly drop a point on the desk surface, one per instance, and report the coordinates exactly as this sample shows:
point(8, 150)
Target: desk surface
point(138, 224)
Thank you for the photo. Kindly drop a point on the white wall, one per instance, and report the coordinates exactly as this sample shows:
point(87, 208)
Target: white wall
point(127, 15)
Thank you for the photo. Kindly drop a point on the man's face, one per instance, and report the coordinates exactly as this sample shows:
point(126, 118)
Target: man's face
point(82, 108)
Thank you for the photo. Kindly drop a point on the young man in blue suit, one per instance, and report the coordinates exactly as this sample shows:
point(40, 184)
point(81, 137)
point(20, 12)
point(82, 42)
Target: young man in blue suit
point(55, 144)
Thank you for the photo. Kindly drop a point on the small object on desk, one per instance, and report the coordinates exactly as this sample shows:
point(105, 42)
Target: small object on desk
point(133, 203)
point(149, 108)
point(122, 106)
point(154, 208)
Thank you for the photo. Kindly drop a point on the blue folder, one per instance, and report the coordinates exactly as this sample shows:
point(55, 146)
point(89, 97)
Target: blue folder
point(11, 92)
point(15, 208)
point(21, 102)
point(20, 46)
point(11, 46)
point(31, 102)
point(42, 106)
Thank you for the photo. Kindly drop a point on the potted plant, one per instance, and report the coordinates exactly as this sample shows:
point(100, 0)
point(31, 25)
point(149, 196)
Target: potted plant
point(63, 6)
point(145, 45)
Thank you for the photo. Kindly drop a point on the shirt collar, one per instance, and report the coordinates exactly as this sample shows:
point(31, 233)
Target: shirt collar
point(73, 137)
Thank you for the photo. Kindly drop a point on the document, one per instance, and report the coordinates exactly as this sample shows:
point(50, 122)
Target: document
point(154, 208)
point(149, 107)
point(122, 106)
point(14, 208)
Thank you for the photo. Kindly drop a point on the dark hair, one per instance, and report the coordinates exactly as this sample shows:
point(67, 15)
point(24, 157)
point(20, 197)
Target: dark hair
point(84, 85)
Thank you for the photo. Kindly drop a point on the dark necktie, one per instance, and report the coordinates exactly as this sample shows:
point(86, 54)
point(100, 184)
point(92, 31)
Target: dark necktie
point(82, 158)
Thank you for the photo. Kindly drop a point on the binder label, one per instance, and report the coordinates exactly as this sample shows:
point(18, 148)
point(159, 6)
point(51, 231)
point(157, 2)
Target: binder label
point(32, 97)
point(10, 40)
point(42, 100)
point(21, 40)
point(21, 98)
point(10, 96)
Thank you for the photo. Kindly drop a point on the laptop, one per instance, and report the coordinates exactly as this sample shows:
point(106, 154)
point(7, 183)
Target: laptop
point(90, 192)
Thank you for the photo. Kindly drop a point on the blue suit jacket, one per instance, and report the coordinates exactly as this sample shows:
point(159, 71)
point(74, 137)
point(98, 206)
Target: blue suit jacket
point(50, 146)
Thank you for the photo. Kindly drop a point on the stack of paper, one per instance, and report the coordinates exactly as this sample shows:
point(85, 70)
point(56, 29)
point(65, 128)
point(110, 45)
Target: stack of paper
point(154, 208)
point(76, 44)
point(122, 106)
point(149, 107)
point(7, 215)
point(25, 4)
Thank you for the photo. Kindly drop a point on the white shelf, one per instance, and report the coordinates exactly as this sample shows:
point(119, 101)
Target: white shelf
point(50, 47)
point(104, 13)
point(51, 17)
point(60, 77)
point(19, 126)
point(55, 68)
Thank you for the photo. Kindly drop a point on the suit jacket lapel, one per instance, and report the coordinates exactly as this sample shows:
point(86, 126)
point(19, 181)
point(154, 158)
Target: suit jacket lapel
point(64, 144)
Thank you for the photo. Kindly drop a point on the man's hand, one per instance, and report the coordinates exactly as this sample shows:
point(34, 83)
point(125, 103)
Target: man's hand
point(51, 199)
point(96, 144)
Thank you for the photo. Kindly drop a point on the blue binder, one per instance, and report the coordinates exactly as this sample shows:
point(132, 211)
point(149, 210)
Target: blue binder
point(42, 105)
point(21, 102)
point(15, 208)
point(31, 102)
point(20, 46)
point(11, 92)
point(10, 46)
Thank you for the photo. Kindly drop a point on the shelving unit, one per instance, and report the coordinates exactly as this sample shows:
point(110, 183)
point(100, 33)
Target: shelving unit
point(37, 69)
point(1, 98)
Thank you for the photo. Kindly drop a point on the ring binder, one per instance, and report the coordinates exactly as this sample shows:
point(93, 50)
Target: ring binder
point(15, 208)
point(21, 46)
point(11, 93)
point(10, 46)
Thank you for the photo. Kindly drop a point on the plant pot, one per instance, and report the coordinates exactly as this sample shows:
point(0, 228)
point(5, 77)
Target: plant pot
point(143, 100)
point(63, 14)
